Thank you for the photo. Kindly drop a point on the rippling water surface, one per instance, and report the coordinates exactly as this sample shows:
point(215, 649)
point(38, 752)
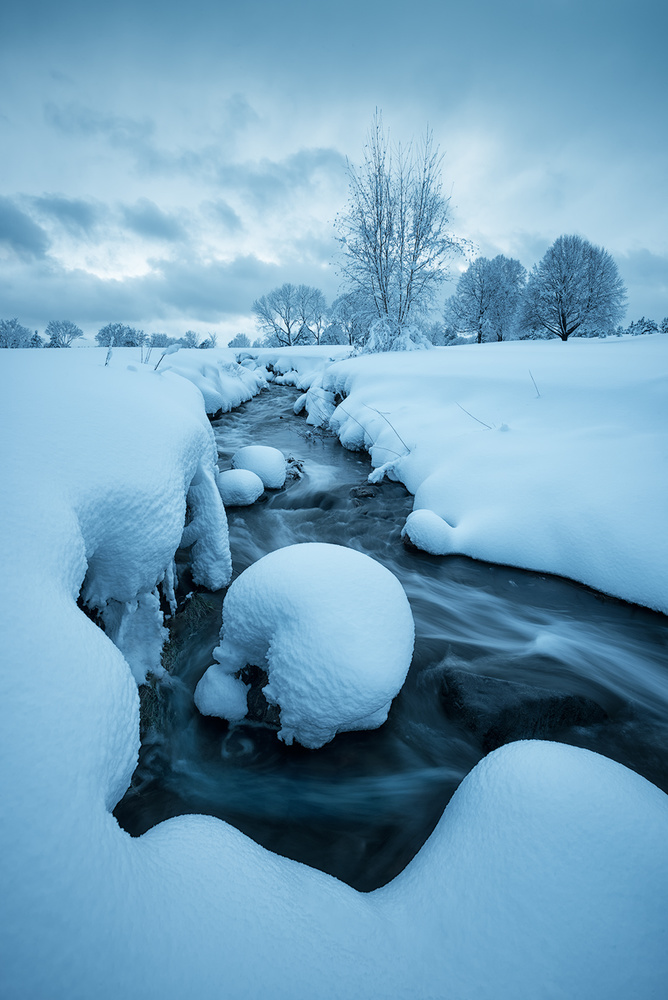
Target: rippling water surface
point(361, 806)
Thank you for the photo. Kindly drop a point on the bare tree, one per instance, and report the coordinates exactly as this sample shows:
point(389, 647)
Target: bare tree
point(487, 298)
point(576, 289)
point(312, 309)
point(351, 314)
point(394, 235)
point(61, 332)
point(209, 342)
point(279, 316)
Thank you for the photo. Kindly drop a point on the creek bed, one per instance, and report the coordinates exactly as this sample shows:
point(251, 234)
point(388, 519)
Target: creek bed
point(500, 654)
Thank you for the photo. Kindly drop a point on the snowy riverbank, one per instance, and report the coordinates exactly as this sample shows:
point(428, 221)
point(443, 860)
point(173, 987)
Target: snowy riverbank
point(548, 873)
point(537, 454)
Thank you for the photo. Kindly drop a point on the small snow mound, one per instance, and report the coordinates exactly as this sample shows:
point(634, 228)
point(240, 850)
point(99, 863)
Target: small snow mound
point(300, 404)
point(332, 628)
point(429, 532)
point(267, 463)
point(239, 487)
point(223, 695)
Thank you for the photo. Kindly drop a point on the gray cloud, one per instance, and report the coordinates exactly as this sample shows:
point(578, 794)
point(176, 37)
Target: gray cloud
point(270, 181)
point(220, 211)
point(146, 219)
point(184, 290)
point(204, 109)
point(646, 276)
point(133, 135)
point(75, 214)
point(75, 119)
point(238, 113)
point(19, 233)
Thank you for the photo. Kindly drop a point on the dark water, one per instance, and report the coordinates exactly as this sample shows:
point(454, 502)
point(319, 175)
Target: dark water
point(501, 654)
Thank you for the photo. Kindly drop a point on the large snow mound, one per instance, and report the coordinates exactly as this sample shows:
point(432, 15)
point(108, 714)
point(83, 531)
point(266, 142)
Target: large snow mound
point(119, 454)
point(332, 628)
point(267, 463)
point(550, 853)
point(538, 454)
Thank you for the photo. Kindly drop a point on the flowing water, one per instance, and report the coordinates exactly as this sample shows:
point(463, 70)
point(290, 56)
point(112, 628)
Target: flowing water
point(500, 654)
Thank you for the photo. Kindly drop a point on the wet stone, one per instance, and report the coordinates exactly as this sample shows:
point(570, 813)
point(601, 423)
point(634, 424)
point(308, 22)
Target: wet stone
point(500, 711)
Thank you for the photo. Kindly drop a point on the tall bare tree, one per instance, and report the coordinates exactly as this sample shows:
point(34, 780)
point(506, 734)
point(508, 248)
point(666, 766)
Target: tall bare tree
point(312, 309)
point(394, 234)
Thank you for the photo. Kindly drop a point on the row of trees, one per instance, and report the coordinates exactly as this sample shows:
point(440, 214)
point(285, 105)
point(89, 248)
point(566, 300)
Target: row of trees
point(58, 333)
point(120, 335)
point(494, 300)
point(63, 333)
point(299, 314)
point(395, 247)
point(574, 290)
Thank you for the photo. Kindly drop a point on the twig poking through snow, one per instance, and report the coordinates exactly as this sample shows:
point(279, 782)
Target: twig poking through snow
point(408, 451)
point(474, 418)
point(535, 386)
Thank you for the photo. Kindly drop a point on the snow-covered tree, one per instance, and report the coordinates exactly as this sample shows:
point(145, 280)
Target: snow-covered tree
point(575, 289)
point(240, 340)
point(487, 298)
point(394, 234)
point(663, 328)
point(641, 327)
point(61, 332)
point(12, 334)
point(279, 317)
point(120, 335)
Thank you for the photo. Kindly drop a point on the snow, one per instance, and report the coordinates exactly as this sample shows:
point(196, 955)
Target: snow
point(333, 630)
point(239, 487)
point(268, 464)
point(224, 384)
point(547, 875)
point(544, 455)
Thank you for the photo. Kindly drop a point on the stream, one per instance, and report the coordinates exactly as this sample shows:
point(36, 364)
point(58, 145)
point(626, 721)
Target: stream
point(500, 654)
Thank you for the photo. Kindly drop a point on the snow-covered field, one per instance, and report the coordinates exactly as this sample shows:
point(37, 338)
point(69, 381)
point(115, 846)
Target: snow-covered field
point(547, 875)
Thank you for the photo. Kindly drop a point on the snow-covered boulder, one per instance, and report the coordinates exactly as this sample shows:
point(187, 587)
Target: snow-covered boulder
point(239, 487)
point(267, 463)
point(332, 628)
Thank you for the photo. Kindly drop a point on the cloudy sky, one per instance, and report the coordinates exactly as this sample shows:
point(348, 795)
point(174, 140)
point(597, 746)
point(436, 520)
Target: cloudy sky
point(163, 164)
